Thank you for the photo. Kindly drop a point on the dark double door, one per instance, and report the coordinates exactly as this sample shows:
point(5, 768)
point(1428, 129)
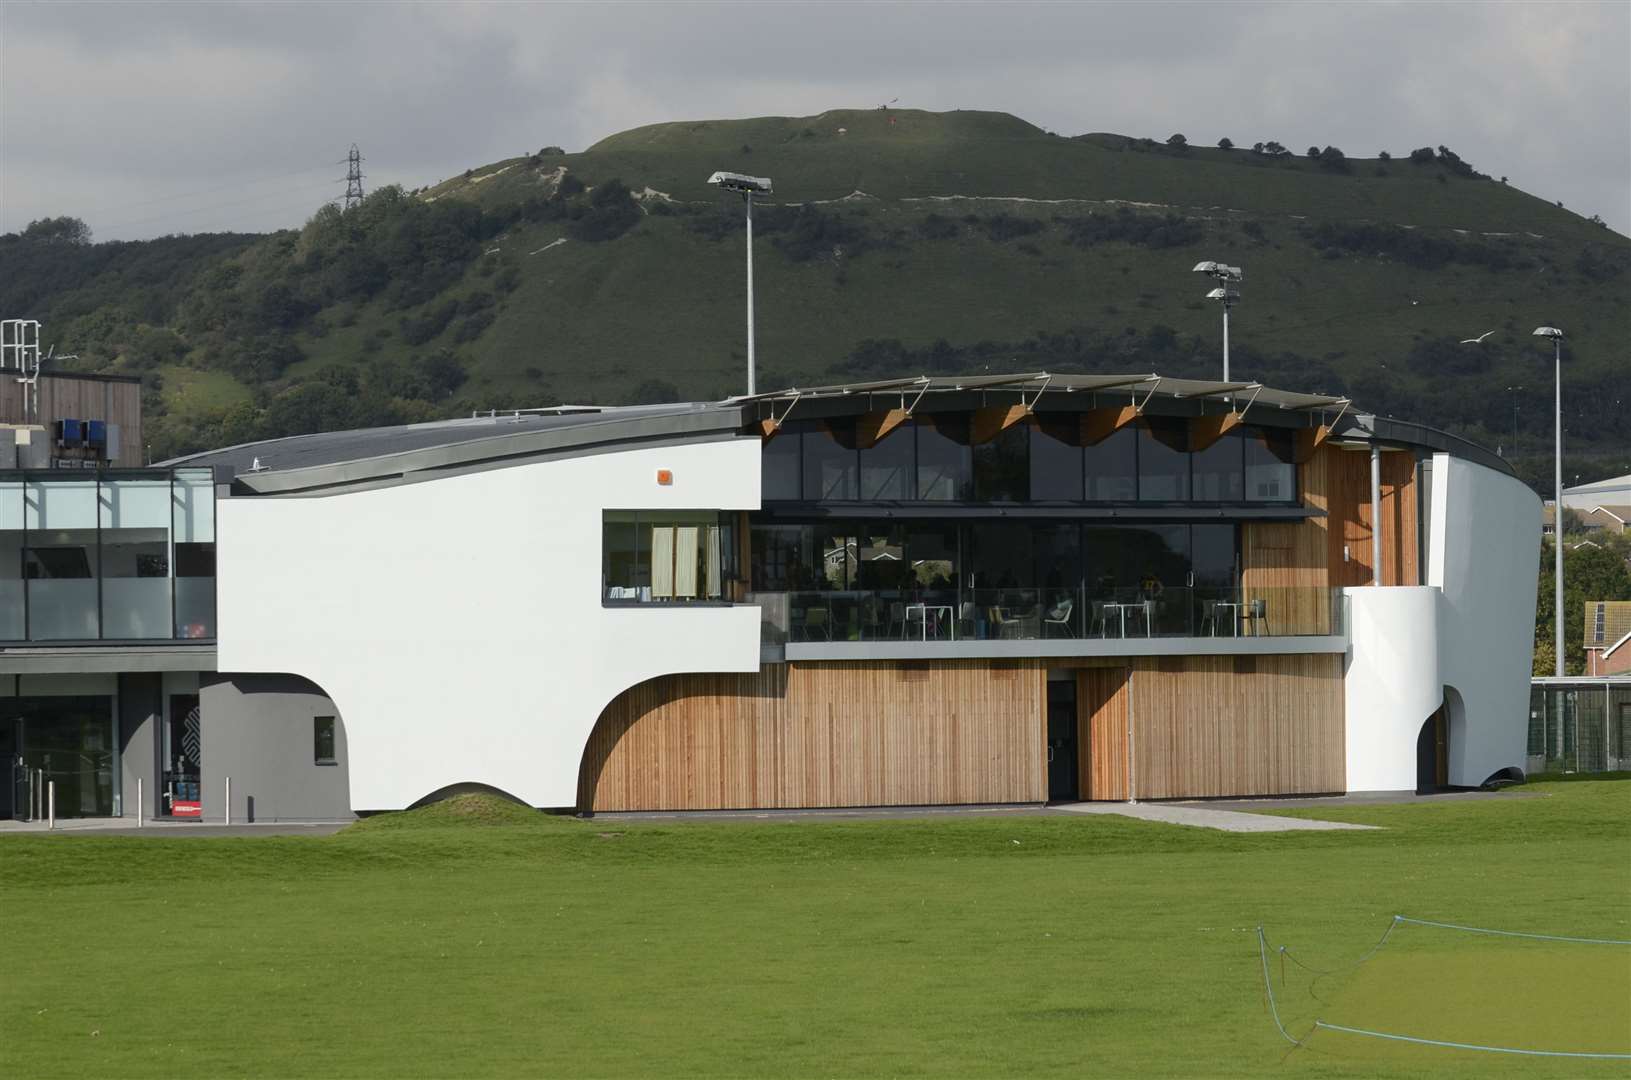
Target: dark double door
point(1064, 781)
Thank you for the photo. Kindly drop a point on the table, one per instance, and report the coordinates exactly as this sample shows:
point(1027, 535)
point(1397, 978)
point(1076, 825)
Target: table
point(1234, 607)
point(938, 609)
point(1133, 605)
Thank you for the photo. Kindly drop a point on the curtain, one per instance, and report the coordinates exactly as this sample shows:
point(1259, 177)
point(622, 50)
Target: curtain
point(685, 561)
point(662, 562)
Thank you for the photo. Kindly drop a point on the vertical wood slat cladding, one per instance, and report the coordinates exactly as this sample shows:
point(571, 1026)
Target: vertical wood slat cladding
point(1101, 736)
point(827, 734)
point(1292, 566)
point(1204, 728)
point(63, 396)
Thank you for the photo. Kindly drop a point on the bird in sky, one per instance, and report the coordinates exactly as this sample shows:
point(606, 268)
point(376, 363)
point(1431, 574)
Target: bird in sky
point(1479, 340)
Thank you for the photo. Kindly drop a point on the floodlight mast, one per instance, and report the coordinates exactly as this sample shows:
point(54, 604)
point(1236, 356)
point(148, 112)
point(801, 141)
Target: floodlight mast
point(1557, 479)
point(1225, 293)
point(747, 187)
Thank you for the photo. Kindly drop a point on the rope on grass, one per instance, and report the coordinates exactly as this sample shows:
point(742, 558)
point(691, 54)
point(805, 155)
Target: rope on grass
point(1508, 933)
point(1268, 984)
point(1470, 1046)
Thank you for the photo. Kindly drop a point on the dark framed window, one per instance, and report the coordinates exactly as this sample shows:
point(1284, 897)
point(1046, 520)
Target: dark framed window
point(322, 740)
point(1111, 467)
point(1270, 472)
point(1163, 460)
point(662, 556)
point(1056, 458)
point(831, 466)
point(1216, 472)
point(945, 468)
point(887, 466)
point(781, 557)
point(780, 463)
point(1002, 470)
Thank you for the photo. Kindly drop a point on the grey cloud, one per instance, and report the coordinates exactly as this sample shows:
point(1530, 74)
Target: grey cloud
point(109, 111)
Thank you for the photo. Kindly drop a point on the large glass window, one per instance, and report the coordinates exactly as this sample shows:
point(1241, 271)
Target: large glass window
point(12, 624)
point(945, 470)
point(135, 518)
point(933, 552)
point(675, 556)
point(1056, 458)
point(881, 563)
point(1112, 467)
point(1163, 459)
point(60, 561)
point(886, 467)
point(780, 557)
point(1002, 470)
point(830, 462)
point(1271, 475)
point(780, 467)
point(1216, 471)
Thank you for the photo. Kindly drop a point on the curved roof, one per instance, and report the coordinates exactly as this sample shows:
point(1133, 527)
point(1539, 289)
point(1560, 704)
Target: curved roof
point(313, 464)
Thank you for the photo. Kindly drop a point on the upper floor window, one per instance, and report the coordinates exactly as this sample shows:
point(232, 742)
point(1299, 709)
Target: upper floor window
point(664, 556)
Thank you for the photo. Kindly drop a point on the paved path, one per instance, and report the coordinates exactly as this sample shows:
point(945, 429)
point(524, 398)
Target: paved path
point(1205, 817)
point(172, 829)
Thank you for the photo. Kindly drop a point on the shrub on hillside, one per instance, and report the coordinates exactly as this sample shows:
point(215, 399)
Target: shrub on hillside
point(1002, 226)
point(1124, 226)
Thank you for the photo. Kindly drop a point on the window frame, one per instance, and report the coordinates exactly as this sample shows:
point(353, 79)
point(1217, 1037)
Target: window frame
point(317, 736)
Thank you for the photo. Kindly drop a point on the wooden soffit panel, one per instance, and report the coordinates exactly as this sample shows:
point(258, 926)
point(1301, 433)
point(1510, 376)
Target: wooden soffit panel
point(1206, 430)
point(986, 424)
point(1309, 440)
point(1099, 424)
point(767, 429)
point(870, 428)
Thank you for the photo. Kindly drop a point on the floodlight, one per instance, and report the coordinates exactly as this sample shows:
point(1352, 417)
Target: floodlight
point(739, 182)
point(1548, 331)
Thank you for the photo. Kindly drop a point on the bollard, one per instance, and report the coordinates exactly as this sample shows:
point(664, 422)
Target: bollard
point(138, 802)
point(51, 805)
point(229, 801)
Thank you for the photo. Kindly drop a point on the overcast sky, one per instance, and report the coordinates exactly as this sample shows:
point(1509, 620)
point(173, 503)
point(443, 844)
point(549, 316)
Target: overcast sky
point(147, 119)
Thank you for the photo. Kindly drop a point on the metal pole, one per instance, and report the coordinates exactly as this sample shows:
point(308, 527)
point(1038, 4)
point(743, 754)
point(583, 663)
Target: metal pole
point(751, 380)
point(1226, 336)
point(138, 802)
point(51, 805)
point(1375, 514)
point(1557, 509)
point(229, 801)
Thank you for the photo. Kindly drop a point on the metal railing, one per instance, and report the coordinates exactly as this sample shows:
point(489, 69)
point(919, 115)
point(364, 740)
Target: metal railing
point(1047, 613)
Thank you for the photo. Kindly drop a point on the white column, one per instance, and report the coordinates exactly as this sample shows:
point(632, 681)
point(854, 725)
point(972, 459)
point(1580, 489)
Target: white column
point(751, 380)
point(1376, 514)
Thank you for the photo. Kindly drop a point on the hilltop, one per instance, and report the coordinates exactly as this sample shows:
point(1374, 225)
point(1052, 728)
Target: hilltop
point(898, 242)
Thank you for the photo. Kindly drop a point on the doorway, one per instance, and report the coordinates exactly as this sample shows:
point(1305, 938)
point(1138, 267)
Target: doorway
point(1063, 782)
point(1433, 753)
point(15, 793)
point(183, 758)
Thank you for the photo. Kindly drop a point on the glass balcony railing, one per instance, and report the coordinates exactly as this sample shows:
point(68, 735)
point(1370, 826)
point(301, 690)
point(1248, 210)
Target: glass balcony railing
point(1023, 614)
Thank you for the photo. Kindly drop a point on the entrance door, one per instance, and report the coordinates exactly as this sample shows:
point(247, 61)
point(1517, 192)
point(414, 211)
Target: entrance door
point(1433, 753)
point(13, 773)
point(183, 744)
point(1062, 779)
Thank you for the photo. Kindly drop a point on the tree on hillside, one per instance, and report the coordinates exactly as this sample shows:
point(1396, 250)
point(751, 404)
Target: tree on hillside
point(58, 230)
point(1177, 141)
point(1274, 149)
point(1421, 156)
point(1313, 153)
point(1226, 143)
point(1383, 155)
point(1333, 159)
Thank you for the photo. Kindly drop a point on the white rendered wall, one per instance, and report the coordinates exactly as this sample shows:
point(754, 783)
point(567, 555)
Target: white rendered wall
point(1391, 683)
point(1484, 554)
point(1470, 629)
point(457, 623)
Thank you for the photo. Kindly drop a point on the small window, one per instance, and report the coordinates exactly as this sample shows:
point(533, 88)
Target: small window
point(322, 738)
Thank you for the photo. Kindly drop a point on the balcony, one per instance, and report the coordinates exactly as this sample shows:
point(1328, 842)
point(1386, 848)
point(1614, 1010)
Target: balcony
point(905, 624)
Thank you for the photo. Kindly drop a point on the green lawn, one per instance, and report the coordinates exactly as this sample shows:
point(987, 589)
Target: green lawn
point(514, 943)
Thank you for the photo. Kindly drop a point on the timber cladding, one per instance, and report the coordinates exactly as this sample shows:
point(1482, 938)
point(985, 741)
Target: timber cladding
point(822, 734)
point(1206, 726)
point(855, 733)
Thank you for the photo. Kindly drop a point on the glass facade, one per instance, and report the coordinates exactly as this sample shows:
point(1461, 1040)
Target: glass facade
point(665, 556)
point(107, 556)
point(1040, 460)
point(65, 740)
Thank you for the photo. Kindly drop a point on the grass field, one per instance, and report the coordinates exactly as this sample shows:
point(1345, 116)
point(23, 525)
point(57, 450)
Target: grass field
point(440, 943)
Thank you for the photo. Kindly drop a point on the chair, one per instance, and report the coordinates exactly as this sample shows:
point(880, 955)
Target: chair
point(1001, 625)
point(816, 622)
point(968, 618)
point(1257, 612)
point(1098, 614)
point(897, 618)
point(1216, 612)
point(914, 615)
point(1060, 617)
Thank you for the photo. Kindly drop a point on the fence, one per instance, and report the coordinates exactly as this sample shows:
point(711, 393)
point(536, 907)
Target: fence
point(1579, 725)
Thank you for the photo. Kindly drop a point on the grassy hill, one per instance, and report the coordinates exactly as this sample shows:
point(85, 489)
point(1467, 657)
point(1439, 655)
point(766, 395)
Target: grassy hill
point(898, 242)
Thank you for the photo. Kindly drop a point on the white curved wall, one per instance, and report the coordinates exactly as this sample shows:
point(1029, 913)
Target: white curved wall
point(1483, 555)
point(1391, 683)
point(1471, 629)
point(457, 623)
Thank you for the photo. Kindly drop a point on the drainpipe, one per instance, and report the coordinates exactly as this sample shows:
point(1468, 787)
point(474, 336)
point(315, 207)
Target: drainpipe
point(1376, 514)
